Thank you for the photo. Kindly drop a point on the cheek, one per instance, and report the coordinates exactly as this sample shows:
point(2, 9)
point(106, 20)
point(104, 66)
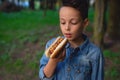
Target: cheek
point(77, 32)
point(62, 28)
point(77, 29)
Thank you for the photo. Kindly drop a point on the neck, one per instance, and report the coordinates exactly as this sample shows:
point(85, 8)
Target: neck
point(76, 43)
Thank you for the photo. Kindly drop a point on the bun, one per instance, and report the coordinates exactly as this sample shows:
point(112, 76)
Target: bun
point(56, 47)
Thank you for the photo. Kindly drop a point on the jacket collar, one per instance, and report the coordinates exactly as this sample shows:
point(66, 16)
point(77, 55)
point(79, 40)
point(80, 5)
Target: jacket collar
point(81, 47)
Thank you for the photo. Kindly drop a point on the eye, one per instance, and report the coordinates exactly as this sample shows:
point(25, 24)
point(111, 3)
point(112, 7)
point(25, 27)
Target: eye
point(74, 22)
point(62, 22)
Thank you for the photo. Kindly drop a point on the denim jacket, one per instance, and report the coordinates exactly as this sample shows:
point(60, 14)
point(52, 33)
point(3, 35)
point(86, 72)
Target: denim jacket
point(85, 62)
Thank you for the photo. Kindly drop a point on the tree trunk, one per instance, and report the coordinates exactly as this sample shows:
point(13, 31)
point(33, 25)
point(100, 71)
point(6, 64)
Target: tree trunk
point(45, 8)
point(3, 1)
point(114, 20)
point(59, 3)
point(99, 23)
point(31, 4)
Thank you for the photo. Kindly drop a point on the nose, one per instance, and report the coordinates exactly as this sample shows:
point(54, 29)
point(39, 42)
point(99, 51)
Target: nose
point(67, 27)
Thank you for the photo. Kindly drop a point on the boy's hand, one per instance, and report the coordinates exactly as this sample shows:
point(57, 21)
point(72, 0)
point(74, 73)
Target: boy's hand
point(60, 57)
point(52, 63)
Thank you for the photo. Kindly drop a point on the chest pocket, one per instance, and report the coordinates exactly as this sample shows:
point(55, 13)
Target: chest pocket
point(83, 69)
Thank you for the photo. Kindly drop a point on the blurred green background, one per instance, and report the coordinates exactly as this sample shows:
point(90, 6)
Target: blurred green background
point(24, 31)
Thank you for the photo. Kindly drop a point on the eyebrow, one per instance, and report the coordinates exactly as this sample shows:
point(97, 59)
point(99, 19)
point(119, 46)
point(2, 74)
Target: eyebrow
point(70, 18)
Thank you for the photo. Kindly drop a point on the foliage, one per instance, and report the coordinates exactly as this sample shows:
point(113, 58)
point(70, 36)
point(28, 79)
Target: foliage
point(110, 54)
point(112, 70)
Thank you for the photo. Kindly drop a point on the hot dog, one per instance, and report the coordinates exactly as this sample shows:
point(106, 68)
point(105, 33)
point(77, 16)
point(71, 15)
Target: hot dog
point(56, 47)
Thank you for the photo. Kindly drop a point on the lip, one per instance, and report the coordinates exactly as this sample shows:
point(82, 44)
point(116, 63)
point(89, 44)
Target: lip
point(68, 35)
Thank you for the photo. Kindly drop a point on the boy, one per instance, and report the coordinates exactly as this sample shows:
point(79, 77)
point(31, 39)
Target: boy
point(81, 59)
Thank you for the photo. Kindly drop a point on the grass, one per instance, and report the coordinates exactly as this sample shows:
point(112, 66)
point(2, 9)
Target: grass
point(112, 70)
point(15, 30)
point(109, 54)
point(24, 22)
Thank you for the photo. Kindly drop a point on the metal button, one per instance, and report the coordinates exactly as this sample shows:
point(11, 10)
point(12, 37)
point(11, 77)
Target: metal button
point(68, 69)
point(78, 71)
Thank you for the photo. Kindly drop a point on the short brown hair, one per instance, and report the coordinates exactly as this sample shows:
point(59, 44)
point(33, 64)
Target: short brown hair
point(81, 5)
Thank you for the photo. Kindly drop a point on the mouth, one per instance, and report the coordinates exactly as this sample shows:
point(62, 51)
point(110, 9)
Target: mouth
point(68, 35)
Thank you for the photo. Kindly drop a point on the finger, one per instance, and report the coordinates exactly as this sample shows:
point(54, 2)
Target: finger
point(64, 53)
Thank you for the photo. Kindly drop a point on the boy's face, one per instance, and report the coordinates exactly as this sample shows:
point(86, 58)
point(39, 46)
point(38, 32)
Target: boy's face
point(71, 23)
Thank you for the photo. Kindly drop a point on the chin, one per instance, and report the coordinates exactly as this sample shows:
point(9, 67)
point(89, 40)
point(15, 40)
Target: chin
point(70, 39)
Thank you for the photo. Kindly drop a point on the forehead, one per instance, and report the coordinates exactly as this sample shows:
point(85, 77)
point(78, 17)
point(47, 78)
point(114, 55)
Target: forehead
point(69, 12)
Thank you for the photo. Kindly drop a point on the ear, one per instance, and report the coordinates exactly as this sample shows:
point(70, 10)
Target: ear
point(86, 22)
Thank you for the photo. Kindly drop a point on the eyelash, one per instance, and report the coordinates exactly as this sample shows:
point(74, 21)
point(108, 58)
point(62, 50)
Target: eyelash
point(74, 23)
point(63, 23)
